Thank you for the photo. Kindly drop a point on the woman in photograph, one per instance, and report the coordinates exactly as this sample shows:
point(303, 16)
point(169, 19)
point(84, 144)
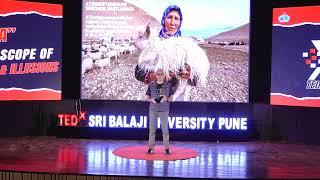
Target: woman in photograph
point(171, 22)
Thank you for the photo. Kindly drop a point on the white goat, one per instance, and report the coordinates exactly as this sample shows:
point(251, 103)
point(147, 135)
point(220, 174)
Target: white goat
point(103, 62)
point(171, 55)
point(87, 63)
point(113, 54)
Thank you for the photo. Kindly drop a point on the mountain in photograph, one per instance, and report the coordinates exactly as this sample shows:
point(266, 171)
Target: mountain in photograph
point(240, 34)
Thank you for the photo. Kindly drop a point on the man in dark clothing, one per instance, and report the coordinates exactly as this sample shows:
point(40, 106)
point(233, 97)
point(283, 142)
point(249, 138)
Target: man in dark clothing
point(159, 94)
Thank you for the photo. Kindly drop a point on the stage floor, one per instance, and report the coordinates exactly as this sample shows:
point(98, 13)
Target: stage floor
point(215, 160)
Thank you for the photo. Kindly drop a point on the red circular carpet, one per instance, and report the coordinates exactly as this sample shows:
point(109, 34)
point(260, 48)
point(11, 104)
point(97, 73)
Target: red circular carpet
point(140, 152)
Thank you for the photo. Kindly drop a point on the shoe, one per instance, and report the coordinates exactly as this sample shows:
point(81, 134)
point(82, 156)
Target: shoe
point(167, 151)
point(150, 151)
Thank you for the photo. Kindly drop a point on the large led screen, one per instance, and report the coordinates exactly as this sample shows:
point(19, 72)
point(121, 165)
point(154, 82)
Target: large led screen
point(30, 50)
point(203, 46)
point(295, 79)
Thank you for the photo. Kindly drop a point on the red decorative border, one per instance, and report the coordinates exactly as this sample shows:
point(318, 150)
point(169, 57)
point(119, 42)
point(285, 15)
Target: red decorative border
point(297, 15)
point(11, 6)
point(291, 101)
point(17, 94)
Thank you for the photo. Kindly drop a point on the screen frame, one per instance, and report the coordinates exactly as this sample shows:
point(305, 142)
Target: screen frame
point(276, 5)
point(45, 2)
point(248, 76)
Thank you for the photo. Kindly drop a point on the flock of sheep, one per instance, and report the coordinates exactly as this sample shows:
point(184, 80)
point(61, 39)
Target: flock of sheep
point(101, 53)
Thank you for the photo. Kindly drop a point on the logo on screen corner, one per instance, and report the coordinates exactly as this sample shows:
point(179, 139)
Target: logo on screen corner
point(312, 59)
point(284, 18)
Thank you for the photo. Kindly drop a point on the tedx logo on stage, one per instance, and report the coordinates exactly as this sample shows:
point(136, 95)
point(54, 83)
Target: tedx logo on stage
point(313, 61)
point(72, 119)
point(141, 121)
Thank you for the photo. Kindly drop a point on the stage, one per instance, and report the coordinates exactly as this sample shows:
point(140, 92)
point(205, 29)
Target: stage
point(92, 157)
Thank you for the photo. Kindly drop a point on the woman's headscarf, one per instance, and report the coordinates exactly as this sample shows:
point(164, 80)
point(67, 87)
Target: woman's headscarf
point(163, 31)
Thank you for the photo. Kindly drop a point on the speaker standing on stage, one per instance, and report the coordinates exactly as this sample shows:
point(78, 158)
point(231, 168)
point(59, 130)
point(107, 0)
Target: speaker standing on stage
point(159, 94)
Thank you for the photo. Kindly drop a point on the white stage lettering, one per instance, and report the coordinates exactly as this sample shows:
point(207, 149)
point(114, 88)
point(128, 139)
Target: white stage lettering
point(176, 122)
point(233, 123)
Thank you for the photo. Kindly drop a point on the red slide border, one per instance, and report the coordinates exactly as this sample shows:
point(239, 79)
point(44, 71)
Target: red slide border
point(291, 101)
point(19, 94)
point(297, 15)
point(11, 6)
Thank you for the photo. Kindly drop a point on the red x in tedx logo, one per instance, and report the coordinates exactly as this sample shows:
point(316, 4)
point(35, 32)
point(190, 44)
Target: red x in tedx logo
point(82, 115)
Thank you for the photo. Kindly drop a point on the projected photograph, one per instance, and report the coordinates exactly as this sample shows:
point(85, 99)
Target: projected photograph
point(30, 50)
point(295, 79)
point(202, 46)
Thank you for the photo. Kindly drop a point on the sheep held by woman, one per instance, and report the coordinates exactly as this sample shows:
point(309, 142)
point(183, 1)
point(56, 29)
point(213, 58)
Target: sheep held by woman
point(172, 55)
